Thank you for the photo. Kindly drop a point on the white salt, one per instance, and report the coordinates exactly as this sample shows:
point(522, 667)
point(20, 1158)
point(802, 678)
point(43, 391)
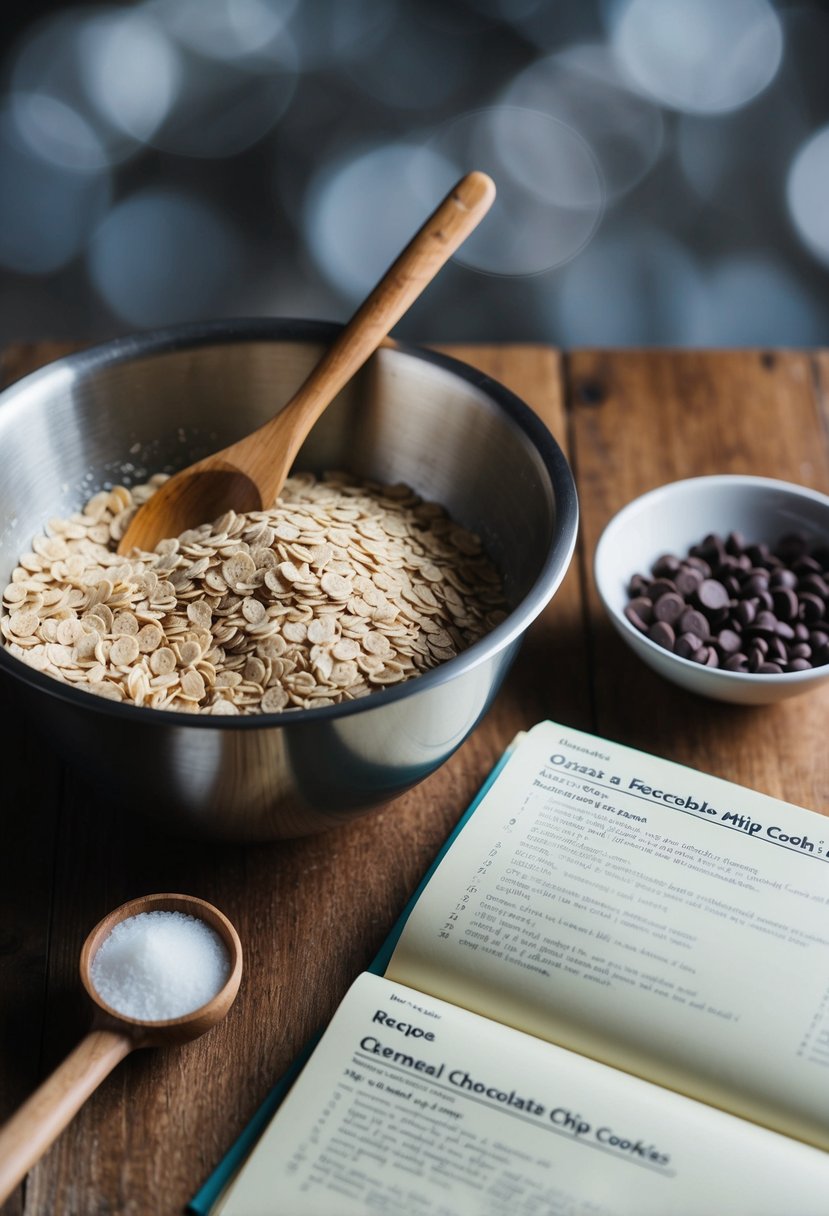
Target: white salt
point(160, 965)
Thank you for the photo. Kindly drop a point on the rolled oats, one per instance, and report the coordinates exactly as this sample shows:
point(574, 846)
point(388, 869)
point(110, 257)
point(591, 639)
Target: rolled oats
point(344, 587)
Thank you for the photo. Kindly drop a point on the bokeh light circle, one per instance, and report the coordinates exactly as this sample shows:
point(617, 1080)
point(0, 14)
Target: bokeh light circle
point(738, 161)
point(361, 211)
point(113, 68)
point(56, 132)
point(130, 70)
point(225, 103)
point(47, 209)
point(807, 193)
point(702, 56)
point(550, 190)
point(411, 69)
point(332, 33)
point(235, 30)
point(754, 300)
point(583, 87)
point(635, 280)
point(162, 256)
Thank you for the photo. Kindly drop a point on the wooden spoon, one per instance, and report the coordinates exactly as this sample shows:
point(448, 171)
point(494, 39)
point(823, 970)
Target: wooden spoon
point(38, 1122)
point(248, 475)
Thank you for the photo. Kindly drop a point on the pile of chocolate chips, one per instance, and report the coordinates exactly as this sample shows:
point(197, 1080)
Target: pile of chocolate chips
point(744, 607)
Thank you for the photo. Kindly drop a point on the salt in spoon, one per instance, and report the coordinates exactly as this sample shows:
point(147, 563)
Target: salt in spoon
point(248, 475)
point(32, 1129)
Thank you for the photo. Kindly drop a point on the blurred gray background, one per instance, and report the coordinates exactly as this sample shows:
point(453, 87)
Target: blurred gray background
point(662, 165)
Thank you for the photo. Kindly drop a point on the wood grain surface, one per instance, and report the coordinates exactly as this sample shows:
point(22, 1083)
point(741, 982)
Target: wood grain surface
point(312, 912)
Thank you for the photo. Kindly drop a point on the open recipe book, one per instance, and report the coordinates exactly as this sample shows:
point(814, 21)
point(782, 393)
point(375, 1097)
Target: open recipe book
point(611, 995)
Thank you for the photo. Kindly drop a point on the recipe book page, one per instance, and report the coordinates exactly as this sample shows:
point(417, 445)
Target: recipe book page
point(411, 1105)
point(643, 914)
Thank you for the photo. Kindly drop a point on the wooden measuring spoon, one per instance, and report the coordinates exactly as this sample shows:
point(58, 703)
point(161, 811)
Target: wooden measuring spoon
point(32, 1129)
point(248, 475)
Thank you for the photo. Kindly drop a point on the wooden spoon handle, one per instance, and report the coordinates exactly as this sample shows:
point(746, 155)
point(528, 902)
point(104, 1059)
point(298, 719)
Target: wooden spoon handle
point(445, 229)
point(43, 1116)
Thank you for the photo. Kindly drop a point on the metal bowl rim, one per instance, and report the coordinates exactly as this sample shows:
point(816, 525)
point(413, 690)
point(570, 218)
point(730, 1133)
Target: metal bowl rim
point(195, 334)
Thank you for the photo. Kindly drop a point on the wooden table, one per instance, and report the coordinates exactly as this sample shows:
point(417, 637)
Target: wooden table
point(312, 912)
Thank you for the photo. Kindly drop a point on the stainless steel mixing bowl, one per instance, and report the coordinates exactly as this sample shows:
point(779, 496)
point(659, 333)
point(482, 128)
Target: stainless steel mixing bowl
point(156, 401)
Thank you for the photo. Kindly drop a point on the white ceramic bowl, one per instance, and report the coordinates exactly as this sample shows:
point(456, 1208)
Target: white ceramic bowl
point(674, 517)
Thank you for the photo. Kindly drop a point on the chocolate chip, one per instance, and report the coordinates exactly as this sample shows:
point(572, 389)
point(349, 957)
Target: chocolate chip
point(811, 607)
point(693, 621)
point(784, 578)
point(640, 622)
point(728, 642)
point(698, 563)
point(665, 566)
point(815, 584)
point(750, 607)
point(712, 548)
point(669, 607)
point(638, 585)
point(755, 583)
point(660, 586)
point(717, 618)
point(686, 645)
point(643, 606)
point(776, 651)
point(662, 633)
point(759, 554)
point(791, 547)
point(711, 595)
point(785, 603)
point(745, 612)
point(687, 580)
point(764, 626)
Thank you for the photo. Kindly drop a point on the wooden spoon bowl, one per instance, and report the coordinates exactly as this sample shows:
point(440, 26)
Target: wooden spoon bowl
point(38, 1122)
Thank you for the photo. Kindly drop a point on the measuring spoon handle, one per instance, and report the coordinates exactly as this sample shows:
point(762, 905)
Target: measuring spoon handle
point(42, 1117)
